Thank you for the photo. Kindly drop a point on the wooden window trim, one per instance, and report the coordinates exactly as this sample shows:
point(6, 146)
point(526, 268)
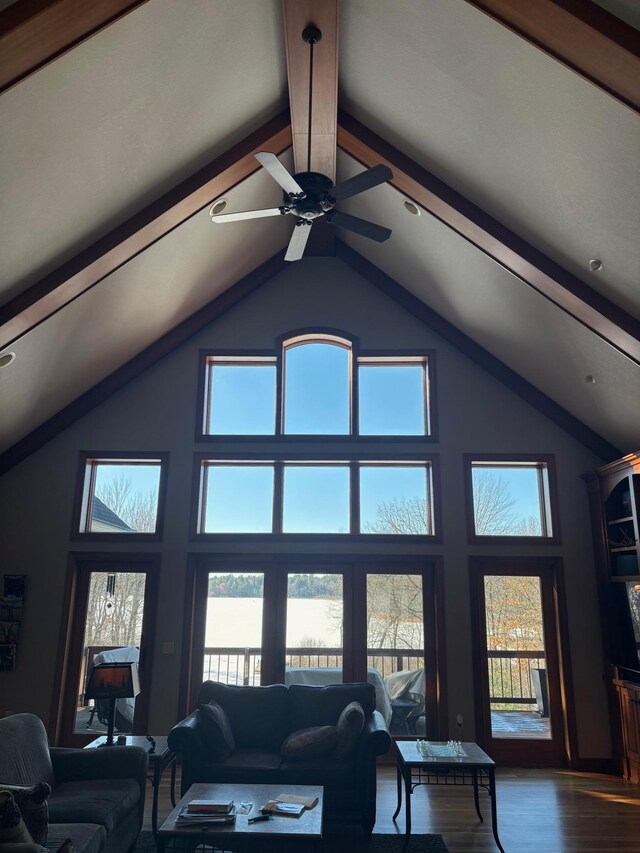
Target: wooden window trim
point(549, 513)
point(85, 486)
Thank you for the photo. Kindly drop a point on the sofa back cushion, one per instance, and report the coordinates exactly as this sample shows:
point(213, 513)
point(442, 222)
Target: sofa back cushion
point(258, 715)
point(322, 706)
point(24, 757)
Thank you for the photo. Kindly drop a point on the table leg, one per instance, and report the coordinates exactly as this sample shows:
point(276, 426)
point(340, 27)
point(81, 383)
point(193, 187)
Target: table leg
point(173, 780)
point(399, 784)
point(407, 805)
point(476, 799)
point(494, 810)
point(156, 788)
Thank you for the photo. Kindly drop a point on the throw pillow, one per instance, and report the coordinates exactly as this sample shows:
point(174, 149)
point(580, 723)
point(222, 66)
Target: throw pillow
point(349, 728)
point(32, 802)
point(67, 847)
point(310, 743)
point(12, 828)
point(216, 731)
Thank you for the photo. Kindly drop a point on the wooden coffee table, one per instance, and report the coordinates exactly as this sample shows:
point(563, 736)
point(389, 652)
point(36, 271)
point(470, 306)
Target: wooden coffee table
point(279, 833)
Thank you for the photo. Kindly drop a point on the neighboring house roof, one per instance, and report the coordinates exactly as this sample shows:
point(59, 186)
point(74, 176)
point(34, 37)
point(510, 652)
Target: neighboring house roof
point(522, 157)
point(103, 518)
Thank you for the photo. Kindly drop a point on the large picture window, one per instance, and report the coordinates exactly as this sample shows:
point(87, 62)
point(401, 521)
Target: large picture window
point(289, 496)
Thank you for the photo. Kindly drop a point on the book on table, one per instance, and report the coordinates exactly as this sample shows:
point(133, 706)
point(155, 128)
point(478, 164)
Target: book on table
point(204, 818)
point(210, 806)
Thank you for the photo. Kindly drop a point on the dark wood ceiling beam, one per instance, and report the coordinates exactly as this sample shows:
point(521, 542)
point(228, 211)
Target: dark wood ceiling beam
point(580, 34)
point(297, 15)
point(35, 32)
point(139, 363)
point(531, 266)
point(111, 252)
point(480, 356)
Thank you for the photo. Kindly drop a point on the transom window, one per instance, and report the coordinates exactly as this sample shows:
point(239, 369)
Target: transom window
point(317, 384)
point(120, 495)
point(511, 497)
point(315, 497)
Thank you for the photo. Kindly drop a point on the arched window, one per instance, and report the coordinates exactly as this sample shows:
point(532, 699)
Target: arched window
point(316, 385)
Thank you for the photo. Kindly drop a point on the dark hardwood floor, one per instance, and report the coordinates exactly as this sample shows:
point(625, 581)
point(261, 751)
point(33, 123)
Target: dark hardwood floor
point(539, 811)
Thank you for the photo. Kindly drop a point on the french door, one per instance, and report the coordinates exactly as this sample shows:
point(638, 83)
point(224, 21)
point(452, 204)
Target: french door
point(522, 702)
point(112, 619)
point(321, 621)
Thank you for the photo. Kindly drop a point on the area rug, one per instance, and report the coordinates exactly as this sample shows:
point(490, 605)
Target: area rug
point(347, 844)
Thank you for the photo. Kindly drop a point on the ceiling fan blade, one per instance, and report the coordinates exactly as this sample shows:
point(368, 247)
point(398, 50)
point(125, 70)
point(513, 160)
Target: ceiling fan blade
point(278, 172)
point(364, 181)
point(359, 226)
point(298, 240)
point(248, 214)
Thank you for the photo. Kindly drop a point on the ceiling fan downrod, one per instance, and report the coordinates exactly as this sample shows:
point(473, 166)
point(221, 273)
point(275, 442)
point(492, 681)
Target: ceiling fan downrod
point(311, 35)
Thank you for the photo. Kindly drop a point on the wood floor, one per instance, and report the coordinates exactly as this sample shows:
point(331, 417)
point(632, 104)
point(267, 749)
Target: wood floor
point(539, 811)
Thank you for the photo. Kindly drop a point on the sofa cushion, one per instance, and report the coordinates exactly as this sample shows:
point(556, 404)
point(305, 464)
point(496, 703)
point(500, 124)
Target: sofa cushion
point(32, 802)
point(12, 826)
point(105, 802)
point(349, 728)
point(85, 837)
point(318, 771)
point(258, 715)
point(244, 765)
point(321, 706)
point(25, 758)
point(216, 731)
point(310, 743)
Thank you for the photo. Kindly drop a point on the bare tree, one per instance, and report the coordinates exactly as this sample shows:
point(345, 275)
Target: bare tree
point(137, 509)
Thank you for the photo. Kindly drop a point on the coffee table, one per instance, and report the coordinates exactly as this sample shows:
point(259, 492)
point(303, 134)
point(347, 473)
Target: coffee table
point(473, 768)
point(279, 833)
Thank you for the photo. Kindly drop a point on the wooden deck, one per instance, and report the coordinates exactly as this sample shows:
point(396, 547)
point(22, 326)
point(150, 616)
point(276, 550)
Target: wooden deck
point(524, 725)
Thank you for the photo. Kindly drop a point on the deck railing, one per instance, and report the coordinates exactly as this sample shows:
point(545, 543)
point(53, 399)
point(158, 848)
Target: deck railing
point(509, 671)
point(510, 678)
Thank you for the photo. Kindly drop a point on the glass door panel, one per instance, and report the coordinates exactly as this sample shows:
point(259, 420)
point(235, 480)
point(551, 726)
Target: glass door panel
point(233, 627)
point(516, 659)
point(395, 650)
point(314, 629)
point(112, 633)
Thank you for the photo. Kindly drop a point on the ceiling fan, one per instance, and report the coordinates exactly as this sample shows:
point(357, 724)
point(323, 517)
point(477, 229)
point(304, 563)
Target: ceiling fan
point(308, 194)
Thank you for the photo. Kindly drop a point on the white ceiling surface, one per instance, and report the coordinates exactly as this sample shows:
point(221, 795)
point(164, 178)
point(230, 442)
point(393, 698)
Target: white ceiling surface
point(105, 129)
point(508, 318)
point(115, 320)
point(102, 131)
point(532, 143)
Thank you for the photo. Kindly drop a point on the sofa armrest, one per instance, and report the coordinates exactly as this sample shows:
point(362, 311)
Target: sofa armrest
point(185, 738)
point(375, 738)
point(108, 762)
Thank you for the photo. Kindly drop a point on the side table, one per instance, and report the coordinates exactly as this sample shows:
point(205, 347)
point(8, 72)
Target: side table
point(161, 758)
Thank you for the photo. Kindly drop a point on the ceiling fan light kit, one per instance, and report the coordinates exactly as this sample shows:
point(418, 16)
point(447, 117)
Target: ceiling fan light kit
point(310, 195)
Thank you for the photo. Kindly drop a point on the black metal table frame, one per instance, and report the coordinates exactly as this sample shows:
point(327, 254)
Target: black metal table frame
point(167, 759)
point(446, 773)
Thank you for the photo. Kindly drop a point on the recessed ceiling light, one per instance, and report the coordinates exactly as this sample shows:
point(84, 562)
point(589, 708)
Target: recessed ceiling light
point(411, 207)
point(595, 264)
point(217, 207)
point(590, 379)
point(6, 358)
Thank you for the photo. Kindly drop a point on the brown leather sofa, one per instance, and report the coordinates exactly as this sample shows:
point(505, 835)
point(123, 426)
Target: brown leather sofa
point(97, 796)
point(261, 719)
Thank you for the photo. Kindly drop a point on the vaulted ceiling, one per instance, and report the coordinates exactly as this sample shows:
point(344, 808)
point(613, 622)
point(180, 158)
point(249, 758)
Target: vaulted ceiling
point(524, 166)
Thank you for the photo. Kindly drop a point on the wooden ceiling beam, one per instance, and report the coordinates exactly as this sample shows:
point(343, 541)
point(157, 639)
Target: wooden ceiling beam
point(580, 34)
point(35, 32)
point(323, 14)
point(111, 252)
point(531, 266)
